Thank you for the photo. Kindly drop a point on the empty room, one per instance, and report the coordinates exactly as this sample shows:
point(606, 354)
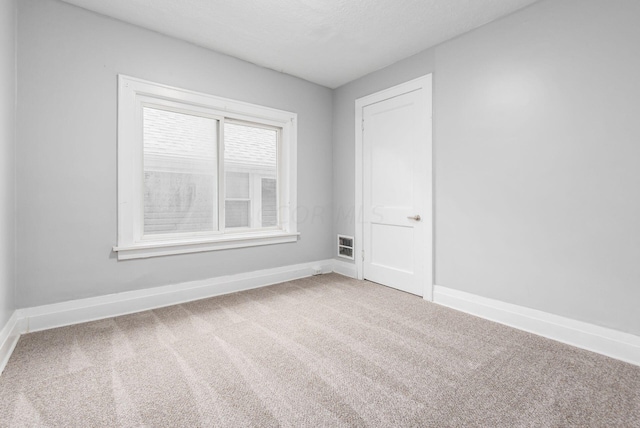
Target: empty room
point(304, 213)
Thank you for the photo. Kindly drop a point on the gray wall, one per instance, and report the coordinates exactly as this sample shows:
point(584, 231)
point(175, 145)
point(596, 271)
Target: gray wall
point(66, 155)
point(537, 144)
point(536, 154)
point(7, 155)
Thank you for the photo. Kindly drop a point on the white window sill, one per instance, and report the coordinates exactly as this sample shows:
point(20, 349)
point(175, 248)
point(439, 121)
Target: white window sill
point(165, 248)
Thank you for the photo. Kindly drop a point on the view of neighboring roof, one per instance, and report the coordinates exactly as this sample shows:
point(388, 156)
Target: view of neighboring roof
point(249, 145)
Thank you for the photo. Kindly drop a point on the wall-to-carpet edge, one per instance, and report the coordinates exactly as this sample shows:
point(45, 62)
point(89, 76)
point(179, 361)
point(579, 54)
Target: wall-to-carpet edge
point(612, 343)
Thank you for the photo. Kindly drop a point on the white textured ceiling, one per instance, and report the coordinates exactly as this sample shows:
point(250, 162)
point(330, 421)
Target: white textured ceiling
point(329, 42)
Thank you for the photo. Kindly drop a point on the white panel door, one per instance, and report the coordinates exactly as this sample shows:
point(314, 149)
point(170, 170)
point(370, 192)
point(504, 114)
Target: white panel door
point(396, 166)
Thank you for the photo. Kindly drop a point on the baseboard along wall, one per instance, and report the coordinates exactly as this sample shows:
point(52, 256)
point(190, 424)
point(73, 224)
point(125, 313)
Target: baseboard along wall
point(615, 344)
point(95, 308)
point(609, 342)
point(9, 336)
point(345, 268)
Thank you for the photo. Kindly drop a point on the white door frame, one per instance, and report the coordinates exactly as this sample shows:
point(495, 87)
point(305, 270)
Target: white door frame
point(424, 82)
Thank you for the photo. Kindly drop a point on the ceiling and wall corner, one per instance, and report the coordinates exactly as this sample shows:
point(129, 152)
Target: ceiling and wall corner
point(328, 42)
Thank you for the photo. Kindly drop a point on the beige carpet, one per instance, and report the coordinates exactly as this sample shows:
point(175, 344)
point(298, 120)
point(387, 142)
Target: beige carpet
point(322, 351)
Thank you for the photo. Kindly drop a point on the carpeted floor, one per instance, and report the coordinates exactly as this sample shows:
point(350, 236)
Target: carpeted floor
point(321, 351)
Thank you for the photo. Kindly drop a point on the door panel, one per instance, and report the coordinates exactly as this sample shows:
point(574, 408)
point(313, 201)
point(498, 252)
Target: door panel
point(388, 256)
point(396, 187)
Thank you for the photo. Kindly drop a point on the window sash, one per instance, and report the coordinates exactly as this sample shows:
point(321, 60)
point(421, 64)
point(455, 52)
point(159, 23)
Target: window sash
point(167, 159)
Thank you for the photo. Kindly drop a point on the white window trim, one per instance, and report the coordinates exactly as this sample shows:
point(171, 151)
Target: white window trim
point(132, 92)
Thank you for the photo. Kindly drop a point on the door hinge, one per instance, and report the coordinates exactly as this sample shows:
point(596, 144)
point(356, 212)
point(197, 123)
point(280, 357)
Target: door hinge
point(362, 255)
point(363, 125)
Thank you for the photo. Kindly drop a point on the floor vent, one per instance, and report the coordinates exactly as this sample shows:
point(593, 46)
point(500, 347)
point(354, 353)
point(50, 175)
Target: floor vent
point(345, 246)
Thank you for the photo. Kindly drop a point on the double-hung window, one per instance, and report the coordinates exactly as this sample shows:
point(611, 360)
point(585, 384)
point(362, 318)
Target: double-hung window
point(200, 173)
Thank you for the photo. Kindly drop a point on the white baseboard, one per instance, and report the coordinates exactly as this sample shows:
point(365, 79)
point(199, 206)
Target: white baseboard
point(612, 343)
point(95, 308)
point(9, 336)
point(91, 309)
point(345, 268)
point(616, 344)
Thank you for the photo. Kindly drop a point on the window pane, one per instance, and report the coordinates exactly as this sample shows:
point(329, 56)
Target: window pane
point(180, 172)
point(250, 153)
point(237, 184)
point(269, 203)
point(236, 213)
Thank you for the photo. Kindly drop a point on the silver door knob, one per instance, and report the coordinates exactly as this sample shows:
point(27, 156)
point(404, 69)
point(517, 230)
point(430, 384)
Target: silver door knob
point(415, 217)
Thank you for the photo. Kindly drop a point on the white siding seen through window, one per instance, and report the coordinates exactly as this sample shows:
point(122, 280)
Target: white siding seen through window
point(180, 172)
